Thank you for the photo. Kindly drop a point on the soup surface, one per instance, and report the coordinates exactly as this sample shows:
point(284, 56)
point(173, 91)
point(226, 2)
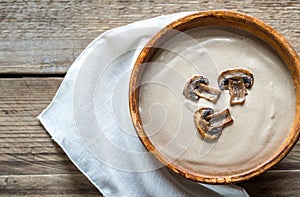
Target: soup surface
point(260, 125)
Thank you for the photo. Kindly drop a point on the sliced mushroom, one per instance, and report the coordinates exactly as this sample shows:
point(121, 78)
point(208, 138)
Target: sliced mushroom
point(210, 124)
point(197, 87)
point(237, 81)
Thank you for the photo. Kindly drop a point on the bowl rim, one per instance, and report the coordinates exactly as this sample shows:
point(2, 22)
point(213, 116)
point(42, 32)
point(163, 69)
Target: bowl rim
point(225, 18)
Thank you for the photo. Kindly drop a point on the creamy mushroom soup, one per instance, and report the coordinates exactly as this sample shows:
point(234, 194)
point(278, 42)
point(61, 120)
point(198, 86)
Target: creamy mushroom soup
point(260, 125)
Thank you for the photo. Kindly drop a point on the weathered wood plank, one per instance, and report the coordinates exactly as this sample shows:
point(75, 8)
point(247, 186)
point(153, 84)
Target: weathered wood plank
point(45, 36)
point(30, 161)
point(274, 183)
point(26, 148)
point(56, 184)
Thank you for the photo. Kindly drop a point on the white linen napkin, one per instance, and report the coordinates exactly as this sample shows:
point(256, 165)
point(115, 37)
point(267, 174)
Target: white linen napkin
point(89, 118)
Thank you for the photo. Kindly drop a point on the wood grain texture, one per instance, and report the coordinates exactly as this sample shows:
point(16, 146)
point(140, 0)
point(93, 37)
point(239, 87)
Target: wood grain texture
point(57, 184)
point(274, 183)
point(25, 147)
point(45, 36)
point(30, 160)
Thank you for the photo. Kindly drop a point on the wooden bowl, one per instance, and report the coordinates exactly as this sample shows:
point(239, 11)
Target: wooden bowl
point(239, 22)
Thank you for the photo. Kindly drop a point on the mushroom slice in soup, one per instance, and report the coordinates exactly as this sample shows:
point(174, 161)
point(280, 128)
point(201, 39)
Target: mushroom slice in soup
point(197, 87)
point(237, 81)
point(210, 124)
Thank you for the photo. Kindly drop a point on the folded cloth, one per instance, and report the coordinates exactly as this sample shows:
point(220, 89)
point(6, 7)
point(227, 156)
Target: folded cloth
point(89, 118)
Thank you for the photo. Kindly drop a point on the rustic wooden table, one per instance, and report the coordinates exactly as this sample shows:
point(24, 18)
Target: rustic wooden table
point(38, 42)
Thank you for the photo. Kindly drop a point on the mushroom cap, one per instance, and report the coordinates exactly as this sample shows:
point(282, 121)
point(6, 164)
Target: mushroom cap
point(197, 87)
point(191, 84)
point(235, 74)
point(196, 79)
